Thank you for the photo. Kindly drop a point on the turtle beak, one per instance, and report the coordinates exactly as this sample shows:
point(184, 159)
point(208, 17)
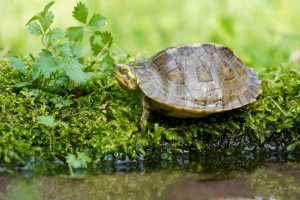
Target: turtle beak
point(118, 75)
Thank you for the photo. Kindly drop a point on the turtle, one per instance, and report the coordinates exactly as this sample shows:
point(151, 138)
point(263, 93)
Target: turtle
point(190, 81)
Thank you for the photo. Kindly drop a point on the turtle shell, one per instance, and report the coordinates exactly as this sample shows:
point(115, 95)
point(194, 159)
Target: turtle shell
point(204, 77)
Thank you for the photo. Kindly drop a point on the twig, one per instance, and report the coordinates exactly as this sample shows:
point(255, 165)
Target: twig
point(109, 85)
point(278, 107)
point(102, 51)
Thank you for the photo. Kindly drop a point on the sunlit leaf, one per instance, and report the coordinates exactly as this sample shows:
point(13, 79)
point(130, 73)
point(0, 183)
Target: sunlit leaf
point(45, 64)
point(41, 14)
point(78, 76)
point(97, 21)
point(18, 64)
point(47, 121)
point(75, 33)
point(53, 36)
point(107, 38)
point(35, 28)
point(80, 12)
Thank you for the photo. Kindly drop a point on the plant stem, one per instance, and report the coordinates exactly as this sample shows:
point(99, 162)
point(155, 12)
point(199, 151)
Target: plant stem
point(278, 107)
point(102, 51)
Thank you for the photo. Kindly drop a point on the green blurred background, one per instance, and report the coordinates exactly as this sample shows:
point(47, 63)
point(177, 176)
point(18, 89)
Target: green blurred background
point(261, 32)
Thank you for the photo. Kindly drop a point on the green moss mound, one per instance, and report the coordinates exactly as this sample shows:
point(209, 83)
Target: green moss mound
point(103, 120)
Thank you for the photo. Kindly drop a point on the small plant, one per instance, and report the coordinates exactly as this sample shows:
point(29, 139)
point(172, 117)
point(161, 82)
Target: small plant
point(58, 67)
point(80, 160)
point(49, 121)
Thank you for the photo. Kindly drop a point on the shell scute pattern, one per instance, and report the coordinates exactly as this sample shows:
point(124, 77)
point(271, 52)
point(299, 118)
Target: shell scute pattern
point(199, 77)
point(204, 73)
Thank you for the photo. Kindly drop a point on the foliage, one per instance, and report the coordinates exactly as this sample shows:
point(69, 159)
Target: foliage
point(41, 118)
point(105, 121)
point(58, 67)
point(80, 160)
point(259, 38)
point(49, 121)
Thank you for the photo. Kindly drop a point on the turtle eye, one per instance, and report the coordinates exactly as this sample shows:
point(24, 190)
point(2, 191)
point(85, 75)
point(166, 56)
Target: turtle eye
point(124, 70)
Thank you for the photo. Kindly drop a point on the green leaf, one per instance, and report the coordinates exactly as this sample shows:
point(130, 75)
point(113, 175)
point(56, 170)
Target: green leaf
point(95, 41)
point(41, 14)
point(97, 21)
point(62, 124)
point(53, 36)
point(47, 121)
point(73, 70)
point(106, 66)
point(35, 29)
point(47, 21)
point(73, 161)
point(78, 76)
point(107, 38)
point(100, 40)
point(75, 33)
point(60, 102)
point(35, 72)
point(47, 7)
point(22, 84)
point(62, 81)
point(70, 63)
point(292, 146)
point(80, 12)
point(79, 161)
point(41, 22)
point(84, 159)
point(45, 64)
point(70, 50)
point(34, 18)
point(18, 64)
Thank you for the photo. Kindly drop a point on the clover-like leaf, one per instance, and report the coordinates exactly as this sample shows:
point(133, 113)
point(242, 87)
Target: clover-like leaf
point(53, 36)
point(41, 14)
point(78, 161)
point(47, 20)
point(45, 64)
point(41, 22)
point(70, 50)
point(35, 29)
point(47, 121)
point(18, 64)
point(78, 76)
point(97, 21)
point(75, 33)
point(107, 38)
point(80, 12)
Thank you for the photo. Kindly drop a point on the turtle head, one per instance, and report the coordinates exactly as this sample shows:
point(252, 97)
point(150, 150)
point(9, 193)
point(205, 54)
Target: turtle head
point(126, 77)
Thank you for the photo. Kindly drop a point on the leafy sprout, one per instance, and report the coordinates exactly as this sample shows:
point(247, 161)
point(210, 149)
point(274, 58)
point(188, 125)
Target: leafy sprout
point(58, 67)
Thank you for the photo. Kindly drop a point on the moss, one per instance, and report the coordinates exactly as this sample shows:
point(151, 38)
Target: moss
point(104, 120)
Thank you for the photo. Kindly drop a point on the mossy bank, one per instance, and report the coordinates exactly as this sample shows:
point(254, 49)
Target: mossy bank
point(103, 120)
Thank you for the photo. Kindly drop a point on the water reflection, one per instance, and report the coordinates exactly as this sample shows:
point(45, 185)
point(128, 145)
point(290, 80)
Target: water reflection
point(280, 181)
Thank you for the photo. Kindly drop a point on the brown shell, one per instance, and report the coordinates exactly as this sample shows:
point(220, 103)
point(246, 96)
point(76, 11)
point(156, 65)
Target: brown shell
point(205, 77)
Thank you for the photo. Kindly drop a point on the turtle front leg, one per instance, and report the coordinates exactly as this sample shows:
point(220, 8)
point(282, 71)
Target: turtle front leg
point(145, 114)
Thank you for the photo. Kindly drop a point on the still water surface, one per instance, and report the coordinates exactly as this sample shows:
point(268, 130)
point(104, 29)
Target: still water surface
point(271, 181)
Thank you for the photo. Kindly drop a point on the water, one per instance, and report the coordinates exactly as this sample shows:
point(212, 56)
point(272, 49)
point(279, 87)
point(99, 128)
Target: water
point(268, 181)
